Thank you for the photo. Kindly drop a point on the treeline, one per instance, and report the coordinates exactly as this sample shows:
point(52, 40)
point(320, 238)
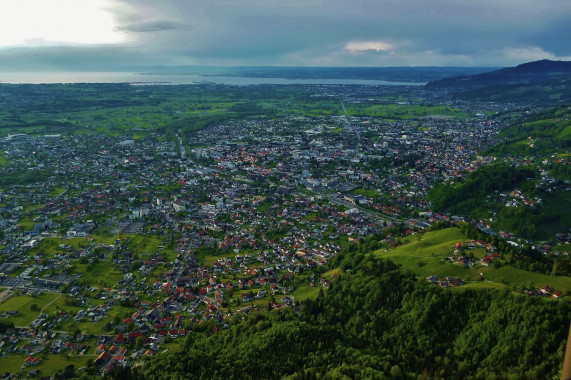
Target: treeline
point(527, 222)
point(194, 123)
point(466, 195)
point(24, 177)
point(561, 171)
point(379, 322)
point(61, 98)
point(5, 325)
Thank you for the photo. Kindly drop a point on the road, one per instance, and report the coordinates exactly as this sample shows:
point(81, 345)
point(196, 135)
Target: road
point(181, 143)
point(357, 130)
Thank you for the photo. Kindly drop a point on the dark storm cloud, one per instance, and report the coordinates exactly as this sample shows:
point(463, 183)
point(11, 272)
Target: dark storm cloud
point(150, 26)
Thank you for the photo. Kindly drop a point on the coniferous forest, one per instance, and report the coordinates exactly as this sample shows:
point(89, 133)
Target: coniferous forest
point(379, 322)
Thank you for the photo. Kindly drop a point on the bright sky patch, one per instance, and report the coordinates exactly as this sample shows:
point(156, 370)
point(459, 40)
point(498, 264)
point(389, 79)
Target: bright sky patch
point(368, 46)
point(57, 22)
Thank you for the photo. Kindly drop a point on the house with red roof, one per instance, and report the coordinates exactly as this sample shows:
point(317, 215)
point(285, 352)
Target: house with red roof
point(102, 359)
point(119, 338)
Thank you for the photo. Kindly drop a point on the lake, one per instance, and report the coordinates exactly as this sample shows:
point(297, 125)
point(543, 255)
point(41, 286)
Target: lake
point(146, 79)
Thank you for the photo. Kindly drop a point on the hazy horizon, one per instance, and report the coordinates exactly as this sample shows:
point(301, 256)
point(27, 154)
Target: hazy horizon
point(247, 75)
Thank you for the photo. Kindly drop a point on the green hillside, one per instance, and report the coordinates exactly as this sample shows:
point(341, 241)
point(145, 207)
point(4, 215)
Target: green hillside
point(542, 134)
point(379, 322)
point(526, 73)
point(426, 257)
point(486, 193)
point(552, 92)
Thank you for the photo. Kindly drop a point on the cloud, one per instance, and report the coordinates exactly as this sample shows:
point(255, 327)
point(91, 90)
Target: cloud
point(321, 32)
point(527, 54)
point(150, 26)
point(57, 22)
point(371, 46)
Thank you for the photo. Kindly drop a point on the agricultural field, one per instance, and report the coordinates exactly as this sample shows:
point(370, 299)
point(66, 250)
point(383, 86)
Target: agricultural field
point(405, 111)
point(136, 111)
point(120, 109)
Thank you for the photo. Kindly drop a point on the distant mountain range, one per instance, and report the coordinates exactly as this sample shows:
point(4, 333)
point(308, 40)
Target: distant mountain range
point(525, 74)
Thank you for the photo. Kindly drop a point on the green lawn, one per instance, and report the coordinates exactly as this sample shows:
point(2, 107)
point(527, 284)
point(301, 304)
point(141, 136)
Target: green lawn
point(425, 257)
point(97, 328)
point(60, 305)
point(330, 273)
point(22, 305)
point(150, 244)
point(26, 224)
point(366, 192)
point(479, 285)
point(208, 260)
point(93, 328)
point(101, 274)
point(306, 292)
point(49, 246)
point(563, 248)
point(52, 363)
point(260, 303)
point(12, 363)
point(173, 346)
point(511, 275)
point(49, 365)
point(56, 192)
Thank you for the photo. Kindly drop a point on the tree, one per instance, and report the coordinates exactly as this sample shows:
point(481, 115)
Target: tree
point(396, 372)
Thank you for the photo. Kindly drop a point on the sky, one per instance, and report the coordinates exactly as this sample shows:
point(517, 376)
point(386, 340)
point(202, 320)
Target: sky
point(107, 35)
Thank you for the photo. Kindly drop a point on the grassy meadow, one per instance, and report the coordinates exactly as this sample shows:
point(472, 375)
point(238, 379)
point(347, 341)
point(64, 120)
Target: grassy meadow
point(426, 258)
point(23, 304)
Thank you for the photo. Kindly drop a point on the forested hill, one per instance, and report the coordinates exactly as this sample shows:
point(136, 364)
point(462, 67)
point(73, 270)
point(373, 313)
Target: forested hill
point(542, 134)
point(543, 71)
point(378, 322)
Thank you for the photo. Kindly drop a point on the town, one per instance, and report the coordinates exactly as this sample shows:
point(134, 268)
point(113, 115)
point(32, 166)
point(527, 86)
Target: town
point(116, 247)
